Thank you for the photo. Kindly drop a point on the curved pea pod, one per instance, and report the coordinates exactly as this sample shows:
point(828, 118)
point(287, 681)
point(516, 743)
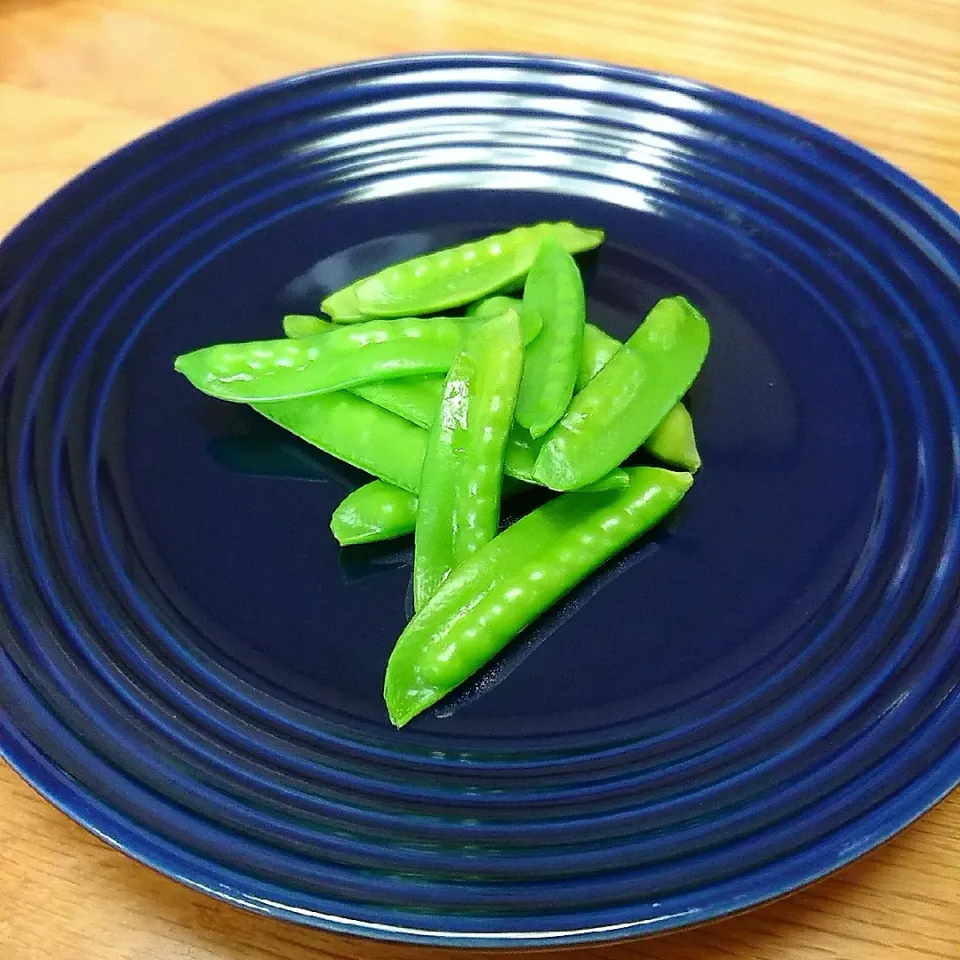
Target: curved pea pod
point(674, 441)
point(376, 511)
point(283, 369)
point(626, 401)
point(553, 292)
point(357, 432)
point(507, 584)
point(455, 276)
point(462, 479)
point(297, 326)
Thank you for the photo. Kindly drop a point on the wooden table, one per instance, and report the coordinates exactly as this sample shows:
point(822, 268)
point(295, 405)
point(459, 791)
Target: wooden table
point(80, 77)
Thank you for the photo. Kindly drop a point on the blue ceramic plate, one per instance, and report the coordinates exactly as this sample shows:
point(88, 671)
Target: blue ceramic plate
point(759, 692)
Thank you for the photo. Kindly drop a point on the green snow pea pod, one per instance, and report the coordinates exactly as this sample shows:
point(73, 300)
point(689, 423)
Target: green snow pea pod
point(493, 307)
point(553, 292)
point(626, 401)
point(598, 348)
point(518, 575)
point(462, 479)
point(376, 511)
point(674, 441)
point(416, 399)
point(296, 326)
point(454, 276)
point(357, 432)
point(281, 369)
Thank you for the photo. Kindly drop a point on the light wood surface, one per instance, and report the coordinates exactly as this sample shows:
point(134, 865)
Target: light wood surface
point(80, 77)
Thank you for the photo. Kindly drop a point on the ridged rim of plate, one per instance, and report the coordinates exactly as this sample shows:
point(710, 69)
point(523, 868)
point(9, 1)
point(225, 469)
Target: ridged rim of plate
point(352, 765)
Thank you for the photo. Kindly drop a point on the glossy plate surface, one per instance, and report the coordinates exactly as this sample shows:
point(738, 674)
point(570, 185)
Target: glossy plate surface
point(764, 689)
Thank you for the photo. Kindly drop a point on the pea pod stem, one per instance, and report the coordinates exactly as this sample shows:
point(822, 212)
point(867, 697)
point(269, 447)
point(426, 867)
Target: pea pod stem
point(460, 487)
point(518, 575)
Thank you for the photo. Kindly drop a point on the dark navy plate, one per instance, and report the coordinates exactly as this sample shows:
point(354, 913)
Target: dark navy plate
point(759, 692)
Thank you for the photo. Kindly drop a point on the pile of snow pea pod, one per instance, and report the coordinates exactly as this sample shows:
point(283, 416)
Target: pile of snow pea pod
point(451, 412)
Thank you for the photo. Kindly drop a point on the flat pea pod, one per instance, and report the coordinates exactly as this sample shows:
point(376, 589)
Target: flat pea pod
point(462, 479)
point(297, 326)
point(376, 511)
point(626, 401)
point(518, 575)
point(357, 432)
point(554, 293)
point(283, 369)
point(455, 276)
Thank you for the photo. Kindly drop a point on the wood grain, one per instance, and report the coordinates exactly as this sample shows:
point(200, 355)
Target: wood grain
point(80, 77)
